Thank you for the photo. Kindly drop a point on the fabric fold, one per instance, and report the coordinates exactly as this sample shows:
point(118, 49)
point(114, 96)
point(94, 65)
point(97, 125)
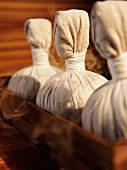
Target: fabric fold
point(66, 93)
point(106, 110)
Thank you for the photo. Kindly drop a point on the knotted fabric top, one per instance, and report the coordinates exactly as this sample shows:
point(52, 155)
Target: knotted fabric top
point(71, 31)
point(76, 62)
point(38, 32)
point(109, 28)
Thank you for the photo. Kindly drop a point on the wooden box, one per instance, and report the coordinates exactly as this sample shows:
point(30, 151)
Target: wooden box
point(66, 143)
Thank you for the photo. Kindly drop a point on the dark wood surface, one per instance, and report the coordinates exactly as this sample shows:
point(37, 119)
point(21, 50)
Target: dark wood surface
point(65, 142)
point(18, 153)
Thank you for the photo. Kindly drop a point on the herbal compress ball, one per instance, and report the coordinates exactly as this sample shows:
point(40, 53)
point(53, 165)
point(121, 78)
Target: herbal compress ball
point(105, 113)
point(66, 93)
point(27, 81)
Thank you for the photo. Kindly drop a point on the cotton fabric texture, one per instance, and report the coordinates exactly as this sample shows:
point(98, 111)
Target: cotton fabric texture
point(105, 112)
point(27, 81)
point(66, 93)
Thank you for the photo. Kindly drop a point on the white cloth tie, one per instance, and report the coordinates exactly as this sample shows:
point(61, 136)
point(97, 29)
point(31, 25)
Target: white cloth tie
point(118, 66)
point(76, 62)
point(40, 56)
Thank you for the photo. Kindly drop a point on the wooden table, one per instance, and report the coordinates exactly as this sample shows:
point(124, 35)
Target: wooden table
point(18, 153)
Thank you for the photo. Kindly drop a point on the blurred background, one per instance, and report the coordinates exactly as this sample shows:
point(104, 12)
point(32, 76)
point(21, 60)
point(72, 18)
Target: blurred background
point(14, 51)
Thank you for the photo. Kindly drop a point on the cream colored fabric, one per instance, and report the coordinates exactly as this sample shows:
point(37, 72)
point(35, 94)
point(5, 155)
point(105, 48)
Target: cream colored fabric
point(105, 113)
point(109, 28)
point(66, 93)
point(27, 81)
point(71, 29)
point(118, 66)
point(76, 62)
point(63, 23)
point(40, 56)
point(38, 32)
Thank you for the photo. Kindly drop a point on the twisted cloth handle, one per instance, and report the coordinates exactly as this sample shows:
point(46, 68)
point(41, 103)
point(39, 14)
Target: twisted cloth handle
point(118, 66)
point(76, 62)
point(40, 56)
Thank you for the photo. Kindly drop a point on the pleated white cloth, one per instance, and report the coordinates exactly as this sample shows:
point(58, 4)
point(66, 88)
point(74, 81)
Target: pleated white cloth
point(66, 93)
point(27, 81)
point(105, 113)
